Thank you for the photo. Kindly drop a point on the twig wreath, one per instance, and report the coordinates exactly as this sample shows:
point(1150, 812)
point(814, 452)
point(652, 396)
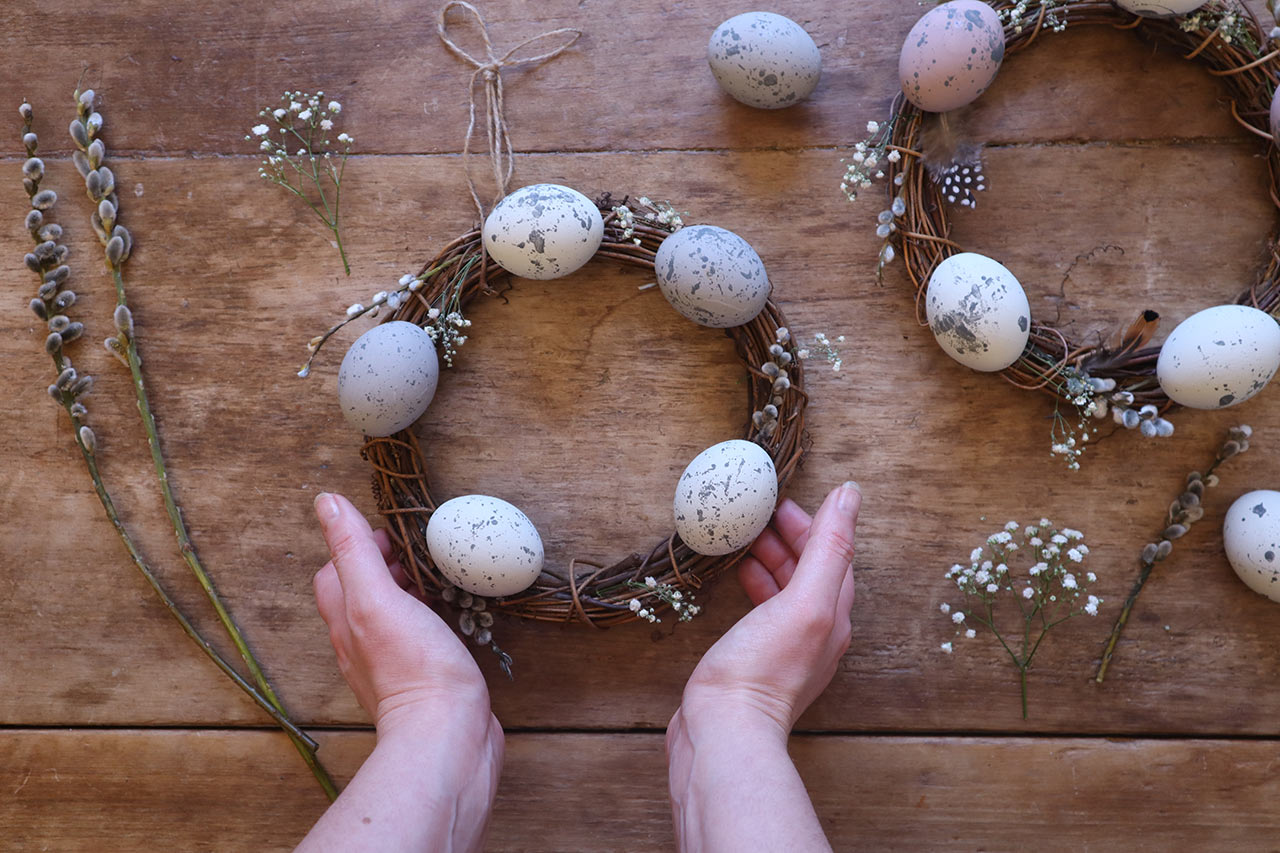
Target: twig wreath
point(435, 300)
point(928, 169)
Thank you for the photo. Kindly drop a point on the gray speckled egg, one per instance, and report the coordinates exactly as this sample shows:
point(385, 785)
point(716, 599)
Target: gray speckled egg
point(484, 545)
point(712, 276)
point(1219, 357)
point(978, 311)
point(951, 55)
point(764, 60)
point(725, 497)
point(1251, 535)
point(1160, 8)
point(543, 231)
point(388, 378)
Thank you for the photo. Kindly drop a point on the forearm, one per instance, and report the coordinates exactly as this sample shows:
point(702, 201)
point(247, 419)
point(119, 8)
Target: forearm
point(418, 790)
point(734, 788)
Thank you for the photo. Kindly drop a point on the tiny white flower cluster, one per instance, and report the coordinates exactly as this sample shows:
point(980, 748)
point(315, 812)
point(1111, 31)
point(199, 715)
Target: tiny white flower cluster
point(683, 605)
point(627, 220)
point(825, 348)
point(1224, 21)
point(778, 369)
point(867, 163)
point(1026, 13)
point(1053, 579)
point(447, 333)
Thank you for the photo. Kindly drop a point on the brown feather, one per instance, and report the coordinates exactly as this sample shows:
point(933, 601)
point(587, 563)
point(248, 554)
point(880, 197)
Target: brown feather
point(1125, 343)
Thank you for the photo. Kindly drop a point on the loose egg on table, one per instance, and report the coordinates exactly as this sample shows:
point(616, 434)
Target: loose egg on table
point(951, 55)
point(978, 312)
point(1219, 357)
point(388, 378)
point(1251, 535)
point(712, 276)
point(1160, 8)
point(764, 60)
point(484, 545)
point(543, 231)
point(725, 497)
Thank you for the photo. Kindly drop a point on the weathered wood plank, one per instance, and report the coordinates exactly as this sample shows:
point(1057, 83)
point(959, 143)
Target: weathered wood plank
point(177, 790)
point(190, 77)
point(581, 400)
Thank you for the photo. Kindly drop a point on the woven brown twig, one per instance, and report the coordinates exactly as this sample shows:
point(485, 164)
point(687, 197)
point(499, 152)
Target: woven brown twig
point(923, 238)
point(583, 590)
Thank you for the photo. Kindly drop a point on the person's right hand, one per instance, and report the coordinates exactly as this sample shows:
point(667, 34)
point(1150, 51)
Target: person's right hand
point(776, 660)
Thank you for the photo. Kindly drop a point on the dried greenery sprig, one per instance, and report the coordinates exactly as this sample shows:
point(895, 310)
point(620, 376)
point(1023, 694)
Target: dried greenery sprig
point(304, 123)
point(117, 245)
point(1049, 595)
point(1185, 510)
point(53, 298)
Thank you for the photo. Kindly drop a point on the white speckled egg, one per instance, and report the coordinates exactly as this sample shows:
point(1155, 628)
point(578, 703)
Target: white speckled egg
point(543, 231)
point(978, 312)
point(712, 276)
point(1160, 8)
point(484, 545)
point(764, 60)
point(388, 378)
point(951, 55)
point(725, 497)
point(1251, 534)
point(1219, 357)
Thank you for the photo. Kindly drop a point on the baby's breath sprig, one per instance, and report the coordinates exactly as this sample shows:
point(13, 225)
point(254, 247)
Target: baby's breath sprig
point(301, 154)
point(117, 244)
point(659, 214)
point(1185, 511)
point(1047, 14)
point(866, 164)
point(823, 347)
point(53, 298)
point(1054, 590)
point(1224, 20)
point(682, 604)
point(1093, 397)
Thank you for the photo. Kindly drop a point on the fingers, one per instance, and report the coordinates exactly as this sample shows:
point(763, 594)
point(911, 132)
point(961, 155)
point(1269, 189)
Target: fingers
point(829, 550)
point(844, 601)
point(385, 546)
point(328, 591)
point(357, 559)
point(757, 581)
point(793, 524)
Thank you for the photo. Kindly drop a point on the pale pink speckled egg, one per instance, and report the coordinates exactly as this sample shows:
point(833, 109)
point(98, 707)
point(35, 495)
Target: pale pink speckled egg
point(951, 55)
point(1275, 117)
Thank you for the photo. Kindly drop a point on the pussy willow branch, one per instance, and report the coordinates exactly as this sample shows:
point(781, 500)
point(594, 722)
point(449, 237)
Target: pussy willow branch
point(67, 392)
point(117, 245)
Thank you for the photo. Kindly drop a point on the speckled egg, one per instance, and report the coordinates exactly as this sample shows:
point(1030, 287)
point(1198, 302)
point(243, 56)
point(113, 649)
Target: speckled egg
point(725, 497)
point(764, 60)
point(388, 378)
point(978, 311)
point(543, 231)
point(484, 545)
point(1160, 8)
point(1251, 534)
point(1219, 357)
point(1275, 118)
point(951, 55)
point(712, 276)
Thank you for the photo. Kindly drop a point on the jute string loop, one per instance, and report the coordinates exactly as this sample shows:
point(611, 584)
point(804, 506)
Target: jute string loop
point(488, 73)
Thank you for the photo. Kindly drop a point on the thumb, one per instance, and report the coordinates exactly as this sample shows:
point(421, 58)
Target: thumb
point(829, 551)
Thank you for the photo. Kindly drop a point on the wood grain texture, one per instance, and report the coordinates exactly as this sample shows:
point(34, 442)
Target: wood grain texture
point(192, 791)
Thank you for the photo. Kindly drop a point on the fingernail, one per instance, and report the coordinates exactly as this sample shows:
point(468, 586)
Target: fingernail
point(845, 501)
point(326, 508)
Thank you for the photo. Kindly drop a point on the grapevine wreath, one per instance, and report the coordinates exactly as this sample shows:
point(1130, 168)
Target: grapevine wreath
point(928, 170)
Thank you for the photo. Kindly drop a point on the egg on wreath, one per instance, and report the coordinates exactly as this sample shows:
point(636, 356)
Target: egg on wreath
point(388, 378)
point(1251, 535)
point(712, 276)
point(725, 497)
point(543, 231)
point(764, 60)
point(951, 55)
point(1160, 8)
point(484, 545)
point(1219, 357)
point(978, 312)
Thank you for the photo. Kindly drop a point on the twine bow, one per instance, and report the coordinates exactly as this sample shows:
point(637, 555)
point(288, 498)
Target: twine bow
point(488, 70)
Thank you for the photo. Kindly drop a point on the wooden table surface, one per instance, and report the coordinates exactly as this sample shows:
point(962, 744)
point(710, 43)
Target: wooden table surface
point(1117, 182)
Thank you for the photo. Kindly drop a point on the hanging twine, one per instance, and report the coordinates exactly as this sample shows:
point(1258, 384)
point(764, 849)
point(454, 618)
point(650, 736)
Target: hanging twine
point(488, 71)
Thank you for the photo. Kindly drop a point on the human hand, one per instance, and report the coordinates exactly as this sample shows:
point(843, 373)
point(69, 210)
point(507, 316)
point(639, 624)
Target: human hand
point(780, 656)
point(404, 664)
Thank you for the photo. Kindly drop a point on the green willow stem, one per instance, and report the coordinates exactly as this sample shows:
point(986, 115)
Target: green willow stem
point(305, 749)
point(108, 505)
